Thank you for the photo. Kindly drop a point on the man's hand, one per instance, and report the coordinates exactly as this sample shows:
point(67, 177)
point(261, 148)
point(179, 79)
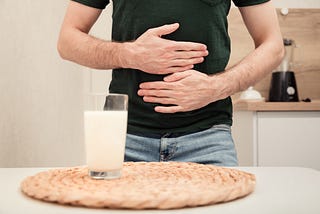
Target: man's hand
point(185, 91)
point(153, 54)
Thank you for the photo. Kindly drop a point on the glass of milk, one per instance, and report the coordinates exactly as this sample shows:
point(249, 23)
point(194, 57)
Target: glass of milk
point(105, 127)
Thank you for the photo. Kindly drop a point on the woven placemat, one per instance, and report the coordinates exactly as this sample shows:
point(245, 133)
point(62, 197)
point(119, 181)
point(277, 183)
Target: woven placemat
point(143, 185)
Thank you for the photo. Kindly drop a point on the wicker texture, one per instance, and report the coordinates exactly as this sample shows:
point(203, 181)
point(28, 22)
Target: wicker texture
point(143, 185)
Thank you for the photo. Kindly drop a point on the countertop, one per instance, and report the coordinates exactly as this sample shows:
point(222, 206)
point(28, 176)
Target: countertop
point(279, 190)
point(242, 105)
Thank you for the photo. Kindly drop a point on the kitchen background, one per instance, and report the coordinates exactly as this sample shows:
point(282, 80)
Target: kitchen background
point(42, 96)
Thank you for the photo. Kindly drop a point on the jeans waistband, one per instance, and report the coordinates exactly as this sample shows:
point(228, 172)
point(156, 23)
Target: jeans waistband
point(165, 134)
point(176, 134)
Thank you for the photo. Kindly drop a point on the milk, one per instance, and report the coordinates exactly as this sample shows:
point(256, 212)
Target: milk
point(105, 137)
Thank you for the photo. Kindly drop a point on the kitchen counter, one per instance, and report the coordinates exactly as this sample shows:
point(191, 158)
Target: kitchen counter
point(241, 105)
point(279, 190)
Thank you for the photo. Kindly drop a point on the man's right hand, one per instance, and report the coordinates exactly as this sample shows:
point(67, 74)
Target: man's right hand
point(153, 54)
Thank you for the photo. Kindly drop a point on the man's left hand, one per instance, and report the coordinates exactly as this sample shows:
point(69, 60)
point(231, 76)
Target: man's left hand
point(183, 91)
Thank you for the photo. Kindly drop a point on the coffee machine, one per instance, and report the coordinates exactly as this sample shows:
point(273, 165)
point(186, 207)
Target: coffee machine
point(283, 87)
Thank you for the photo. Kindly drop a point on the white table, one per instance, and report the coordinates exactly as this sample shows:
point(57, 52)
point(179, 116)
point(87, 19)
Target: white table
point(279, 190)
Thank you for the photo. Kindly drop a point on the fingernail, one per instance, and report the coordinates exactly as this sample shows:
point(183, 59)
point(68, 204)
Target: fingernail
point(177, 24)
point(190, 67)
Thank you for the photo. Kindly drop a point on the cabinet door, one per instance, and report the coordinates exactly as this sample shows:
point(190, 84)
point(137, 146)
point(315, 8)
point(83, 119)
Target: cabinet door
point(288, 139)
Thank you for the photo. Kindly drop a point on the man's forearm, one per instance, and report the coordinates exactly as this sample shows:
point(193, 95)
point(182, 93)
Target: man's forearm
point(149, 53)
point(89, 51)
point(252, 68)
point(268, 53)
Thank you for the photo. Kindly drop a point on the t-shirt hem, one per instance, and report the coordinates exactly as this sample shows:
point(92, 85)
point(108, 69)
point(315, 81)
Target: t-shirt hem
point(178, 132)
point(95, 4)
point(251, 3)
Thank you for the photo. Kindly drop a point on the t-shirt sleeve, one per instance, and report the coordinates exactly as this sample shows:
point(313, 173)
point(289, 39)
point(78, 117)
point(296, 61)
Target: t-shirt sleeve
point(99, 4)
point(244, 3)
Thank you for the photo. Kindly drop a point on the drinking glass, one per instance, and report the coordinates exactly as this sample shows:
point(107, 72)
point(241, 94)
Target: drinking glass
point(105, 128)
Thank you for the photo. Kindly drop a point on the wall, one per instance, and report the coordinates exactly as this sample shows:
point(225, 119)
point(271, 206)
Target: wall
point(297, 3)
point(41, 96)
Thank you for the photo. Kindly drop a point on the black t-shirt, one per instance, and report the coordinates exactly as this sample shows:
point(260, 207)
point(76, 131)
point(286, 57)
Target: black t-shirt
point(203, 21)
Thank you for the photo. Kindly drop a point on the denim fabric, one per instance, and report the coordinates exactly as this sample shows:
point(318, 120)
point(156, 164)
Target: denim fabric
point(211, 146)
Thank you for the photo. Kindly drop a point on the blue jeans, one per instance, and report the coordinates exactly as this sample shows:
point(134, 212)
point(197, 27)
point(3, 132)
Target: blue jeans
point(211, 146)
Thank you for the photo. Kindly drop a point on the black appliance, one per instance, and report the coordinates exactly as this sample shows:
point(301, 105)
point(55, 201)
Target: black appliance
point(283, 87)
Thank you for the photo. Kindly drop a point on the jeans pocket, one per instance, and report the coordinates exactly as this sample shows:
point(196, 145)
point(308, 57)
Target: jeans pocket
point(212, 2)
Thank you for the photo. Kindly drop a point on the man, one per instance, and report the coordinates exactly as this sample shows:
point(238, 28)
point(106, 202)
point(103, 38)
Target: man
point(170, 56)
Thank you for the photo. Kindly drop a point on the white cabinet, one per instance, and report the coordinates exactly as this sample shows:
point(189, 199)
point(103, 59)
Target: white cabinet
point(278, 138)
